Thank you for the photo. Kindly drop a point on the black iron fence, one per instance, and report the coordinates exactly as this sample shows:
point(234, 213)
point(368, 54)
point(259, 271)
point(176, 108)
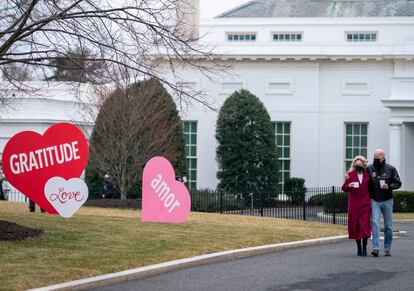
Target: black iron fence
point(323, 204)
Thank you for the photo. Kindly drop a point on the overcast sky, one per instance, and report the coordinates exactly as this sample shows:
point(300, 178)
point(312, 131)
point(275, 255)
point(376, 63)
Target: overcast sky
point(212, 8)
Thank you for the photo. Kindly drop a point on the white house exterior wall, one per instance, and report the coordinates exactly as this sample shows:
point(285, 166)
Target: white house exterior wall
point(316, 108)
point(316, 101)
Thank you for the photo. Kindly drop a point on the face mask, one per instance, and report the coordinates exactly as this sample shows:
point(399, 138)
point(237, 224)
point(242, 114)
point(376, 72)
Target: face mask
point(377, 163)
point(359, 168)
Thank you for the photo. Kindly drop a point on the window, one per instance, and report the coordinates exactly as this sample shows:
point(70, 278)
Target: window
point(287, 36)
point(190, 140)
point(361, 36)
point(241, 37)
point(356, 141)
point(282, 133)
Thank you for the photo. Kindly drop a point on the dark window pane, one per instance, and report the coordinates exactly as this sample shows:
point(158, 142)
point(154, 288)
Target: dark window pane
point(364, 129)
point(349, 129)
point(279, 140)
point(364, 152)
point(287, 128)
point(287, 140)
point(279, 128)
point(286, 152)
point(348, 141)
point(364, 141)
point(349, 154)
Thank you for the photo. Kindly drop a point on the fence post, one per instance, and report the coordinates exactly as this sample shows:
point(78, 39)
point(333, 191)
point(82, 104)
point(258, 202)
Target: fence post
point(333, 205)
point(221, 201)
point(304, 205)
point(262, 203)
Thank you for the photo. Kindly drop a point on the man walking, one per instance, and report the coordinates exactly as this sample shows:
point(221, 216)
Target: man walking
point(384, 179)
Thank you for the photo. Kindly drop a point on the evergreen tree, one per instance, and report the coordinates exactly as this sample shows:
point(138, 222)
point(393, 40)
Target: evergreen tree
point(134, 125)
point(246, 151)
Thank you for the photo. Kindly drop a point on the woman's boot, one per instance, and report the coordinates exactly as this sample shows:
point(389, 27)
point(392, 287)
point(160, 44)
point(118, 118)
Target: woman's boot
point(358, 241)
point(364, 246)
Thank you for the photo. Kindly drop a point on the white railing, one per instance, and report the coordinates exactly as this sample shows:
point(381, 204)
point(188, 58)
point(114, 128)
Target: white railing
point(15, 196)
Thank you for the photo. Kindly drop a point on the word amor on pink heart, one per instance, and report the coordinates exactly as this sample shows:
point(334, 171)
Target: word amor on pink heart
point(162, 190)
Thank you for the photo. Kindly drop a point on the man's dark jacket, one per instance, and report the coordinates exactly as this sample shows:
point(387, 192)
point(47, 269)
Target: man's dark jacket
point(384, 172)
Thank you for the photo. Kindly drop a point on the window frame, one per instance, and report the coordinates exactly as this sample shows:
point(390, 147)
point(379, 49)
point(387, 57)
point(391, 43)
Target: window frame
point(236, 37)
point(352, 147)
point(192, 183)
point(358, 34)
point(283, 160)
point(282, 36)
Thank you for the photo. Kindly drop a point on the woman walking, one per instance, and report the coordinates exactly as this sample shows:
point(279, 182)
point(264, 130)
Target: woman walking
point(359, 203)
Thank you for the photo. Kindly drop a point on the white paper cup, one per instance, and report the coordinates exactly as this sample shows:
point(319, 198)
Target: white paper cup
point(356, 184)
point(382, 182)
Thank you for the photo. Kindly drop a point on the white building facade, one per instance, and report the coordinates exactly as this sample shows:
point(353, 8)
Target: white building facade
point(337, 78)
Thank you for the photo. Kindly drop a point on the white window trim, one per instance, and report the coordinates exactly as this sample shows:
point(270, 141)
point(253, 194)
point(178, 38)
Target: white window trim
point(290, 91)
point(227, 92)
point(346, 92)
point(344, 138)
point(287, 32)
point(361, 32)
point(226, 36)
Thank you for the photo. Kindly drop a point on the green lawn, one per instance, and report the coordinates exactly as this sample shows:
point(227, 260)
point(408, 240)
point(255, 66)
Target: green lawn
point(403, 215)
point(97, 241)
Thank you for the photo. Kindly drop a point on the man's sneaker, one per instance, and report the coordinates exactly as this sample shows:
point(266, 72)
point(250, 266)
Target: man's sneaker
point(387, 254)
point(375, 253)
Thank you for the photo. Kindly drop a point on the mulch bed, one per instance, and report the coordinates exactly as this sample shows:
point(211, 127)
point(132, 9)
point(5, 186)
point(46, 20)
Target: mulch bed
point(10, 231)
point(115, 203)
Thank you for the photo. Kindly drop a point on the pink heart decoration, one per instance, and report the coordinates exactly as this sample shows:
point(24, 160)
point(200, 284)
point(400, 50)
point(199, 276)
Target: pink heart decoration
point(163, 198)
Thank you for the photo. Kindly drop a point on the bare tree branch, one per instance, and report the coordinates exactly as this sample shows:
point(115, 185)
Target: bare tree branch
point(143, 36)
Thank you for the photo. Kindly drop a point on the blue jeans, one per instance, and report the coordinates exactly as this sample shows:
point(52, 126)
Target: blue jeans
point(386, 208)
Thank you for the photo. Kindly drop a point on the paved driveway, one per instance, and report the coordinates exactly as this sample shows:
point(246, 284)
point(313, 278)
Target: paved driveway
point(327, 267)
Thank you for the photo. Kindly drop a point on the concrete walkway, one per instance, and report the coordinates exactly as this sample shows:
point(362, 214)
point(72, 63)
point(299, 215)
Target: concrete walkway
point(326, 267)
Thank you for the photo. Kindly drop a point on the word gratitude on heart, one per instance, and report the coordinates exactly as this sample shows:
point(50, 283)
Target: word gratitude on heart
point(66, 196)
point(163, 198)
point(30, 160)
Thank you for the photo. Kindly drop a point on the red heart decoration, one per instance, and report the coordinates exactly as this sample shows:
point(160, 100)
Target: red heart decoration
point(30, 159)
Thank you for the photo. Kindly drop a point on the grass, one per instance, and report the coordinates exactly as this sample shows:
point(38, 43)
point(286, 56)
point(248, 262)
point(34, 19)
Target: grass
point(97, 241)
point(403, 215)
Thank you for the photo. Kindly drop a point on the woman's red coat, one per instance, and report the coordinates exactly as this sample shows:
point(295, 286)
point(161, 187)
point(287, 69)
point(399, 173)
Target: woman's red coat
point(359, 206)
